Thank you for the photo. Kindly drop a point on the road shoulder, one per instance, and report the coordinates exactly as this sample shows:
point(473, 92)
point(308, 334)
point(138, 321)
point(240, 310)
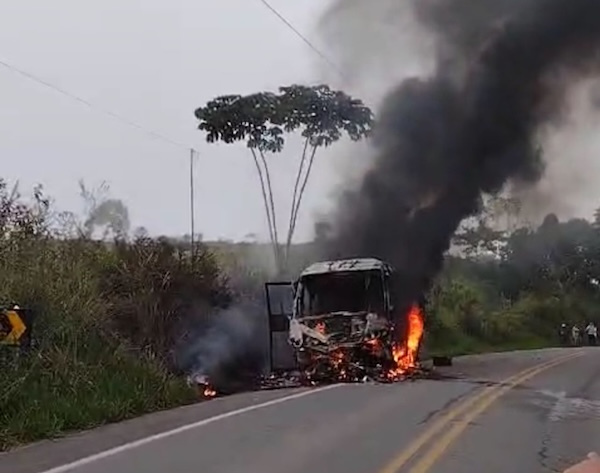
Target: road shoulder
point(48, 454)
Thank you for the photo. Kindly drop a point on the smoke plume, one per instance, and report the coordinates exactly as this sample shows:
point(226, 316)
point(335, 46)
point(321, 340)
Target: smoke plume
point(503, 69)
point(226, 349)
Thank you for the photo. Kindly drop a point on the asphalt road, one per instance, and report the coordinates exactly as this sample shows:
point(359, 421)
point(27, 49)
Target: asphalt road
point(472, 418)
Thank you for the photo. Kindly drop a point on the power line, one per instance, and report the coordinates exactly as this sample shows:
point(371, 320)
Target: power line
point(92, 106)
point(320, 53)
point(133, 124)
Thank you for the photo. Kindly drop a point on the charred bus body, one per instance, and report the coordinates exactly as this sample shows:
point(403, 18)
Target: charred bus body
point(343, 321)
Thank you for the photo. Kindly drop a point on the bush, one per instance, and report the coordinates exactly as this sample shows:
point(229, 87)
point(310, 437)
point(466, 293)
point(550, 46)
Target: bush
point(462, 319)
point(106, 317)
point(455, 315)
point(150, 285)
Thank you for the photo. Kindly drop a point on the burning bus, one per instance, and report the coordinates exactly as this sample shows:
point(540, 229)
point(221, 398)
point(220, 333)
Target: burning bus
point(343, 324)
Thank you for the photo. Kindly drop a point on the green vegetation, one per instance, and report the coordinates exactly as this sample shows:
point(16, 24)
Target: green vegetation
point(109, 314)
point(106, 319)
point(512, 289)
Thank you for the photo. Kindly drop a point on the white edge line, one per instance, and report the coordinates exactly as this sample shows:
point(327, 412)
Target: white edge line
point(178, 430)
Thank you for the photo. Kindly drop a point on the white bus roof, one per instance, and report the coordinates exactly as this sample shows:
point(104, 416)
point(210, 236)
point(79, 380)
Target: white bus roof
point(337, 266)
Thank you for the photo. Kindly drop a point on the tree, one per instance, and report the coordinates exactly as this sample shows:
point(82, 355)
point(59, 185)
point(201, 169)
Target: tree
point(596, 221)
point(486, 232)
point(321, 115)
point(478, 235)
point(102, 212)
point(504, 211)
point(556, 258)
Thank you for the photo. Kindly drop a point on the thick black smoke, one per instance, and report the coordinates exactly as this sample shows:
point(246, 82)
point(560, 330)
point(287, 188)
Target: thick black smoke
point(503, 70)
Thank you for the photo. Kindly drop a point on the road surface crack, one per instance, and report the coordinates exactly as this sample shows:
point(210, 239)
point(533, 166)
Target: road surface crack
point(446, 406)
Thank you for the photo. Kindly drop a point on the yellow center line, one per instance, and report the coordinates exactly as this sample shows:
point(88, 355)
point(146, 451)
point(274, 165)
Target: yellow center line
point(440, 447)
point(443, 421)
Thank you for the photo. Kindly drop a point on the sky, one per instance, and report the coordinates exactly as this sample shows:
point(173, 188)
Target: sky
point(153, 62)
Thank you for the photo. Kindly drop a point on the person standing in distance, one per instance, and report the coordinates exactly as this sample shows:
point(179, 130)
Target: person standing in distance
point(592, 334)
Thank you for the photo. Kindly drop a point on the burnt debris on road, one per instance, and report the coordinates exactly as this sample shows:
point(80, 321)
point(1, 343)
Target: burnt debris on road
point(297, 379)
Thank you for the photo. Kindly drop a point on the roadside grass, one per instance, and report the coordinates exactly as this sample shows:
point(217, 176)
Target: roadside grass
point(56, 393)
point(106, 317)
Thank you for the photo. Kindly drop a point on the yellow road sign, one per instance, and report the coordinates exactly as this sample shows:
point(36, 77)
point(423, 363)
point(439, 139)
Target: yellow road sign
point(17, 328)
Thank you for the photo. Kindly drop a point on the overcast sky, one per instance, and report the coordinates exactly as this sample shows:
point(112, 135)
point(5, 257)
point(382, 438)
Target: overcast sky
point(154, 62)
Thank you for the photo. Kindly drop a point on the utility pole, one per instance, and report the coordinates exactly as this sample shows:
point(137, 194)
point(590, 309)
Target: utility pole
point(192, 229)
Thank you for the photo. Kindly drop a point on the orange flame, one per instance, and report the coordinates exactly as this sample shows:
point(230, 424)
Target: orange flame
point(337, 358)
point(209, 392)
point(375, 346)
point(320, 327)
point(405, 355)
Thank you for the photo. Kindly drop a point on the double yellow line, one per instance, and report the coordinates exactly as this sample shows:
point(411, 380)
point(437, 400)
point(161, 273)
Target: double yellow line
point(471, 408)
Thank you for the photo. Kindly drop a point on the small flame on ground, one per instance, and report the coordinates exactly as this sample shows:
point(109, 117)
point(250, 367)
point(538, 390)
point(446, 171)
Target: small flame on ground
point(209, 392)
point(405, 355)
point(202, 386)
